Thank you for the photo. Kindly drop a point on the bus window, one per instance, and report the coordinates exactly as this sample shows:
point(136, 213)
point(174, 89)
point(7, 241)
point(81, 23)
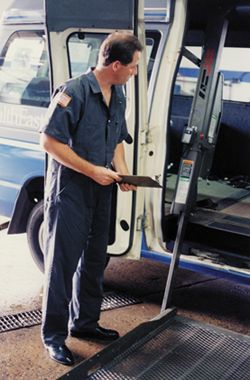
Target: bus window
point(24, 70)
point(236, 71)
point(234, 67)
point(188, 74)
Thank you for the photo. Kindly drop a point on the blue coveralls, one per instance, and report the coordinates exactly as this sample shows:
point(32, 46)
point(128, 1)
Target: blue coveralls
point(77, 209)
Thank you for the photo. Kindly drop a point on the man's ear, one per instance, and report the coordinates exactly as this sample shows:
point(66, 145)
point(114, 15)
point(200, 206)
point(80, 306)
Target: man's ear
point(116, 65)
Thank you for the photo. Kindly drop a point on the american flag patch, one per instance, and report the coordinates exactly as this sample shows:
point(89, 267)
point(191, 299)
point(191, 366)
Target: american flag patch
point(63, 99)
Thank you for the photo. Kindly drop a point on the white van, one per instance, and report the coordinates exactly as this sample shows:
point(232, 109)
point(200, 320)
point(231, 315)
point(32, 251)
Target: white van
point(179, 104)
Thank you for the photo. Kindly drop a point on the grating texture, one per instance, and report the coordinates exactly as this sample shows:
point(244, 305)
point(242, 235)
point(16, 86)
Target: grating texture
point(114, 301)
point(16, 321)
point(34, 317)
point(181, 350)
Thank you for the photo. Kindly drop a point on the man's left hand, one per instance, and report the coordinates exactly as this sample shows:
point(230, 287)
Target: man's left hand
point(127, 187)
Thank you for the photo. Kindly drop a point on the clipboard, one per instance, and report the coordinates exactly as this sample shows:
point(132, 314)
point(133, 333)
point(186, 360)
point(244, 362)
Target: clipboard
point(140, 181)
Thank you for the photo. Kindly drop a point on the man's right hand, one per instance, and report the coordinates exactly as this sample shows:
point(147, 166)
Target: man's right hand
point(104, 176)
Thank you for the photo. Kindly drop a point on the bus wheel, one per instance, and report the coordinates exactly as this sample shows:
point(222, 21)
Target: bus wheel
point(35, 234)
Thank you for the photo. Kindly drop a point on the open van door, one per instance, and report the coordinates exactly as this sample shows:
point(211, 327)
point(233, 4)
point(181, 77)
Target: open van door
point(75, 31)
point(167, 59)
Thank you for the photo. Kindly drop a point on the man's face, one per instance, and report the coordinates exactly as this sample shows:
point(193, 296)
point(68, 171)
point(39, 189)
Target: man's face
point(124, 72)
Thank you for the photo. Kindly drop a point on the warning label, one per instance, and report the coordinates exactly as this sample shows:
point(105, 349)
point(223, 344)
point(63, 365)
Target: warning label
point(184, 181)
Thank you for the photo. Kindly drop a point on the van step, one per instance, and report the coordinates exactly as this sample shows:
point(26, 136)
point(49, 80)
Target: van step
point(170, 348)
point(221, 221)
point(211, 230)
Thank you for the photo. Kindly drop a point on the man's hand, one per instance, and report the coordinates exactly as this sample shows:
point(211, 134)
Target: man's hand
point(127, 187)
point(120, 166)
point(104, 176)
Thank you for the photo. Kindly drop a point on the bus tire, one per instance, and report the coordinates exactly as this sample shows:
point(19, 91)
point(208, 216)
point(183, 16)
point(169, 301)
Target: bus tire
point(35, 234)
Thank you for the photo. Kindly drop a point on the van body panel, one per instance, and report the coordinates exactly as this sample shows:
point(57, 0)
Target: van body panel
point(83, 14)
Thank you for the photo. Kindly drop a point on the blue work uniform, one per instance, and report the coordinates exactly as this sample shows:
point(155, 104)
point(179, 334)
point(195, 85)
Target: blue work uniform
point(77, 209)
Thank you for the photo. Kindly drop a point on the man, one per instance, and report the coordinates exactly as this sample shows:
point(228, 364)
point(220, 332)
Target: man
point(84, 137)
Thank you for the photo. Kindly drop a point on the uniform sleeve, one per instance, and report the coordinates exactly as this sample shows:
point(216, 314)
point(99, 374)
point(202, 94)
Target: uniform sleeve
point(63, 114)
point(124, 130)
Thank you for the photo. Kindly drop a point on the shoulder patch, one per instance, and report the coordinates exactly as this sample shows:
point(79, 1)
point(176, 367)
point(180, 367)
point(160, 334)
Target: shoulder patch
point(62, 99)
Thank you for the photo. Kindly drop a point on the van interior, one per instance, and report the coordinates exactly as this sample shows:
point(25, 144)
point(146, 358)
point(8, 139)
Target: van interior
point(219, 223)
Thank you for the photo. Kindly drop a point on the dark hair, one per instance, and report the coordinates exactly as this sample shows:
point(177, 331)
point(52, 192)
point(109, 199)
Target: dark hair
point(119, 46)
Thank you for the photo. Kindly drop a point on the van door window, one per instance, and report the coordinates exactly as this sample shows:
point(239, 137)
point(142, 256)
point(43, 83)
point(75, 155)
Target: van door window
point(152, 43)
point(24, 70)
point(83, 51)
point(84, 48)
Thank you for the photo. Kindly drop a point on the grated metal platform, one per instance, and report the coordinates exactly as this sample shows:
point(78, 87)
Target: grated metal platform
point(19, 320)
point(34, 317)
point(171, 348)
point(115, 300)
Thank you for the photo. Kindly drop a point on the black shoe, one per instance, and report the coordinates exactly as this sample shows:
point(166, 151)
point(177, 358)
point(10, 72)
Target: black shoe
point(98, 333)
point(61, 354)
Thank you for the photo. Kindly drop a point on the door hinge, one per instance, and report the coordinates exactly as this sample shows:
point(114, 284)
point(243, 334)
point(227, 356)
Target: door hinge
point(141, 222)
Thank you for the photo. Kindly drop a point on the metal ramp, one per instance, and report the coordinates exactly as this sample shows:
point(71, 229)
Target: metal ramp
point(170, 348)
